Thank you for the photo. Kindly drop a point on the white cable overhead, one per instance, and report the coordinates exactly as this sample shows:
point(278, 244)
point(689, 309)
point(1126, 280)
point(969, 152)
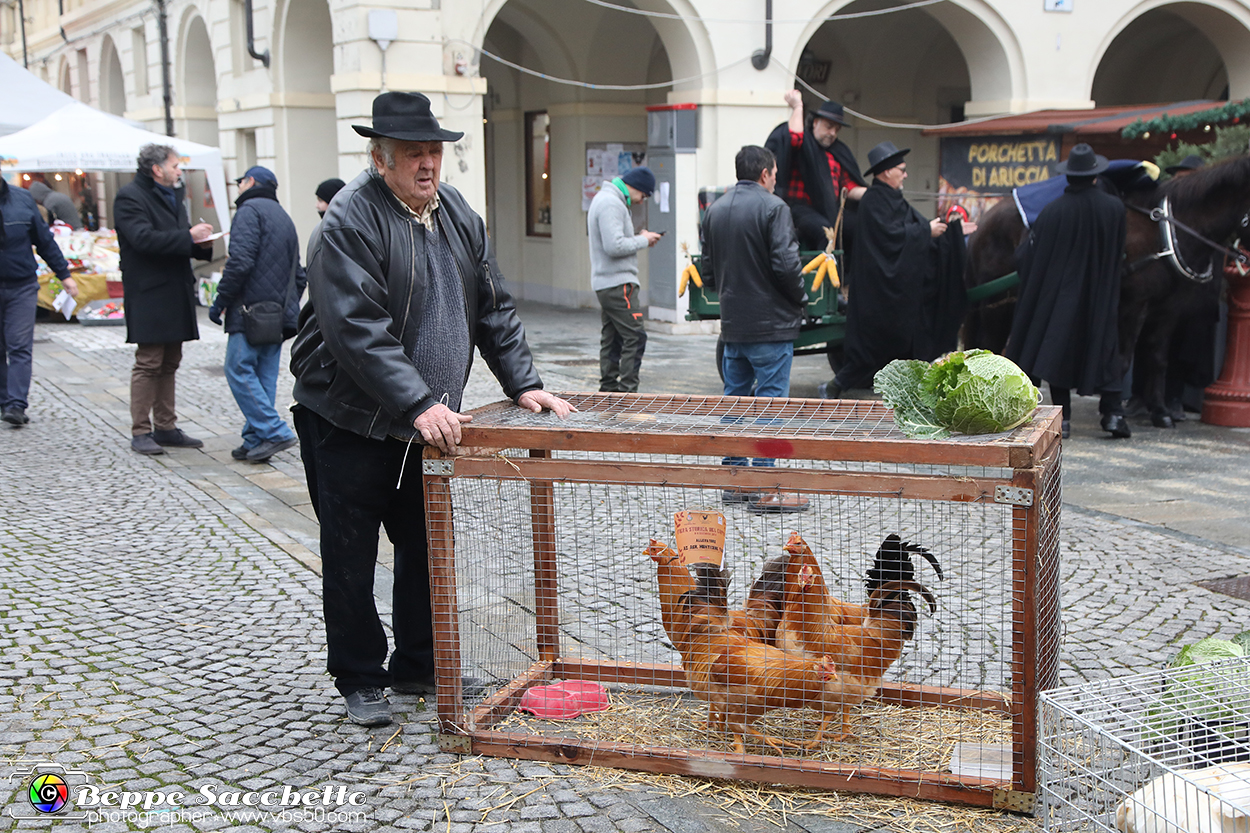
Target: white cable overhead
point(586, 84)
point(879, 122)
point(755, 21)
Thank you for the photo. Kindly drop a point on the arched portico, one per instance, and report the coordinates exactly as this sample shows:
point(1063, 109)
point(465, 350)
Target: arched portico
point(112, 81)
point(1169, 51)
point(305, 122)
point(195, 115)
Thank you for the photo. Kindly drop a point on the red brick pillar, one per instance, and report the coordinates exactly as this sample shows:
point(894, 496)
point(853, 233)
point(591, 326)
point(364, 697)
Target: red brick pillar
point(1227, 402)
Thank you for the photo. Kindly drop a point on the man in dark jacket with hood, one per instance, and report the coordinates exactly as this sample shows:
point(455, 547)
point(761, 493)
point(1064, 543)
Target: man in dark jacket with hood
point(263, 266)
point(908, 296)
point(814, 168)
point(21, 227)
point(1066, 324)
point(402, 287)
point(157, 243)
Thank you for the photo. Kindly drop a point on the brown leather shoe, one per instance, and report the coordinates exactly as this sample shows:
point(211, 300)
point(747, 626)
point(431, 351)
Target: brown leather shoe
point(778, 503)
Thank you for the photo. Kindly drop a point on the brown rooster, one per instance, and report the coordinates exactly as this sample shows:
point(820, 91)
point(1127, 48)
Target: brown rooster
point(757, 621)
point(865, 647)
point(741, 679)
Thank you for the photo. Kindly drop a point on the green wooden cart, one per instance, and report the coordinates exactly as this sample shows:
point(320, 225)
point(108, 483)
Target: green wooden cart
point(824, 322)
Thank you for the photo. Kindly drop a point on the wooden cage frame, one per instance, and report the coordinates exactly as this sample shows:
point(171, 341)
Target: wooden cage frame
point(1031, 453)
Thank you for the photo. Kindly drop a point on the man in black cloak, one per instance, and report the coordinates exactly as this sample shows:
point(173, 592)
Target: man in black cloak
point(813, 168)
point(908, 297)
point(1065, 328)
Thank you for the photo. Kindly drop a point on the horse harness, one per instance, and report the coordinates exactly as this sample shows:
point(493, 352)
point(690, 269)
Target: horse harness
point(1169, 250)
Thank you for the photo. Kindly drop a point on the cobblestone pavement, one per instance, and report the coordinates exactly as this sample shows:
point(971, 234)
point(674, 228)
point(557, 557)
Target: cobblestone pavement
point(160, 617)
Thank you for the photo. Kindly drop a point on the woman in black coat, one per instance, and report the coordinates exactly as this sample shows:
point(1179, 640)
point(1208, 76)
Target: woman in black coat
point(157, 243)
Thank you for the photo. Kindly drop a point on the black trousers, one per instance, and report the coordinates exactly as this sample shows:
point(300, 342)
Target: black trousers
point(1109, 400)
point(351, 480)
point(809, 227)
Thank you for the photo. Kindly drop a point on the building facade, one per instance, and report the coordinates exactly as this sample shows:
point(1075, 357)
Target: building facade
point(546, 90)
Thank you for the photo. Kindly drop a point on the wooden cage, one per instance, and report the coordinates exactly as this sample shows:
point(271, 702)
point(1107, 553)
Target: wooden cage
point(537, 570)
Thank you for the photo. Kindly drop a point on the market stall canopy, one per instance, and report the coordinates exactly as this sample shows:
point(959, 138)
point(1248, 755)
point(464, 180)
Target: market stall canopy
point(78, 137)
point(25, 99)
point(1107, 121)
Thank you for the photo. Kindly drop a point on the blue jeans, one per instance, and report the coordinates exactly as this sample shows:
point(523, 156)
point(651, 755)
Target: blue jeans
point(756, 369)
point(252, 373)
point(17, 339)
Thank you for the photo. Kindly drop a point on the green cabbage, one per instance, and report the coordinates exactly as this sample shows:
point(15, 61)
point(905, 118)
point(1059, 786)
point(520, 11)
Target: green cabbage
point(973, 392)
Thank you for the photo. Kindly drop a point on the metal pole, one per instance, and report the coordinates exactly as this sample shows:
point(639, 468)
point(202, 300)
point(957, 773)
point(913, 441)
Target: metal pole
point(21, 16)
point(759, 59)
point(167, 87)
point(263, 57)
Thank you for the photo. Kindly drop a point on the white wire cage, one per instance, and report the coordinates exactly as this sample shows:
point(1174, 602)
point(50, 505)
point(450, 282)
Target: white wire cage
point(539, 573)
point(1162, 752)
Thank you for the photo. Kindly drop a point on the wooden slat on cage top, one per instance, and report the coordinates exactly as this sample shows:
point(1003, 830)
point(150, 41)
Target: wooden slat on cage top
point(815, 429)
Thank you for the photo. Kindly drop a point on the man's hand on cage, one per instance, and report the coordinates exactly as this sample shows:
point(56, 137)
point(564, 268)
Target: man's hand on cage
point(536, 400)
point(440, 427)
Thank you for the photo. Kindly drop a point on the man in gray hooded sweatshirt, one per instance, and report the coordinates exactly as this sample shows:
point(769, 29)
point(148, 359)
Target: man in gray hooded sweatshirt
point(614, 276)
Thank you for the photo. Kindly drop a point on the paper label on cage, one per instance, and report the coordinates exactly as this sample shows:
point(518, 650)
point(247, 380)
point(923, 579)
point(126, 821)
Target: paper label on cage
point(700, 537)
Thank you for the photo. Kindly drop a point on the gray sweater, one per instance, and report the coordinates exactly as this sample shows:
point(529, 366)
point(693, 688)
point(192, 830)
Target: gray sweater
point(613, 244)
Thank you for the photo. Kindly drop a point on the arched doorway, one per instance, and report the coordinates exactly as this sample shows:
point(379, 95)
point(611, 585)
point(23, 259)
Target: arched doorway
point(1169, 53)
point(536, 127)
point(197, 86)
point(306, 122)
point(913, 67)
point(112, 100)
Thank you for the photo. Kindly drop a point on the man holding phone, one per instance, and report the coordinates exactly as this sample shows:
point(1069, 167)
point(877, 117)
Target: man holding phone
point(614, 276)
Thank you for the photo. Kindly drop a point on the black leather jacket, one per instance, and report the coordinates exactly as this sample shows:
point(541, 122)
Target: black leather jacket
point(751, 257)
point(352, 359)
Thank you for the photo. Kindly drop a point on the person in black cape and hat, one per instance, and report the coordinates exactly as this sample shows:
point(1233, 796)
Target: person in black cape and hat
point(403, 286)
point(908, 297)
point(814, 167)
point(1065, 330)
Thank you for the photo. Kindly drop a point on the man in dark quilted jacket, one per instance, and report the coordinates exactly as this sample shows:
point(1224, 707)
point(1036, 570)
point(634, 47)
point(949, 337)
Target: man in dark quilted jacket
point(263, 266)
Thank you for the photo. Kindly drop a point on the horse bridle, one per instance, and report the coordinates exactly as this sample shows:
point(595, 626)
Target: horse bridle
point(1168, 224)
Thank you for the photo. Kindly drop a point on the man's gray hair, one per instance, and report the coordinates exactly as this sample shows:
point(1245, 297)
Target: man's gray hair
point(154, 154)
point(383, 147)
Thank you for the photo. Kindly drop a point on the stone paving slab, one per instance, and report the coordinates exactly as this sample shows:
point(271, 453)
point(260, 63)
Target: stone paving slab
point(163, 614)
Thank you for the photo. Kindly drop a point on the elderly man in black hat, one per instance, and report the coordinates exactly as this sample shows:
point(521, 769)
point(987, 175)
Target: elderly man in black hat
point(1065, 329)
point(403, 285)
point(814, 168)
point(908, 298)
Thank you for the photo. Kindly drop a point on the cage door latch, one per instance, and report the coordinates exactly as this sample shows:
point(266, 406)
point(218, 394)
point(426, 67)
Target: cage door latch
point(460, 744)
point(441, 468)
point(1014, 495)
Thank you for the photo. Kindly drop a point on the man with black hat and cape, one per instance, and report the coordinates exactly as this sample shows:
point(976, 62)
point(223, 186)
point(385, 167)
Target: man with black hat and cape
point(814, 167)
point(908, 296)
point(1066, 329)
point(403, 286)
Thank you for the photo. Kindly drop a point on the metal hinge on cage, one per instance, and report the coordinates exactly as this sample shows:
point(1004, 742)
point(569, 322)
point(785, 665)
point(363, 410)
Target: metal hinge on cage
point(444, 468)
point(1015, 800)
point(460, 744)
point(1014, 495)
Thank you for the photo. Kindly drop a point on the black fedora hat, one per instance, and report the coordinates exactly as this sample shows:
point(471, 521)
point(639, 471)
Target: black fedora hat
point(885, 156)
point(1192, 162)
point(1082, 161)
point(406, 117)
point(831, 111)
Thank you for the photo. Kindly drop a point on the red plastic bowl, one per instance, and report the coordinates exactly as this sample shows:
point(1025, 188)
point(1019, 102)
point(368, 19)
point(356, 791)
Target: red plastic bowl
point(564, 700)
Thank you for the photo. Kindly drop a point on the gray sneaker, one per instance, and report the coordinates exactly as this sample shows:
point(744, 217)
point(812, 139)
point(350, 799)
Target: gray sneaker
point(144, 444)
point(368, 707)
point(262, 452)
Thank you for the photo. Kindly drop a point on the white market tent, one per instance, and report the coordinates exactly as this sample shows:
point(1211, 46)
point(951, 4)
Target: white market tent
point(79, 137)
point(24, 99)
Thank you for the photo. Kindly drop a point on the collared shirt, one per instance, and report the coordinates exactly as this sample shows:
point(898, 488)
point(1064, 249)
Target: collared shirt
point(426, 215)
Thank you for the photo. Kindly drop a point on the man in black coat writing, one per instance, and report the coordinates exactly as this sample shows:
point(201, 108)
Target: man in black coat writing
point(908, 295)
point(157, 242)
point(1065, 328)
point(814, 168)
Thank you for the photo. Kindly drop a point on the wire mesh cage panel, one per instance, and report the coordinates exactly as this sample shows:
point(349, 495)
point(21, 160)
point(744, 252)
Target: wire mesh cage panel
point(890, 637)
point(1162, 752)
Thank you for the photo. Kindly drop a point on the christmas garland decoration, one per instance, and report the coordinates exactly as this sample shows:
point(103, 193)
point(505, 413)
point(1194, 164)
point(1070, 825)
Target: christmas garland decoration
point(1233, 112)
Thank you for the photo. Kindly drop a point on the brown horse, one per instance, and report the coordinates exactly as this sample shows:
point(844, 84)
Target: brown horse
point(1154, 293)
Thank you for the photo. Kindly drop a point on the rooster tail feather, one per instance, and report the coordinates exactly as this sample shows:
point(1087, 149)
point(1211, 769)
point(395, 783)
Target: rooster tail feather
point(893, 562)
